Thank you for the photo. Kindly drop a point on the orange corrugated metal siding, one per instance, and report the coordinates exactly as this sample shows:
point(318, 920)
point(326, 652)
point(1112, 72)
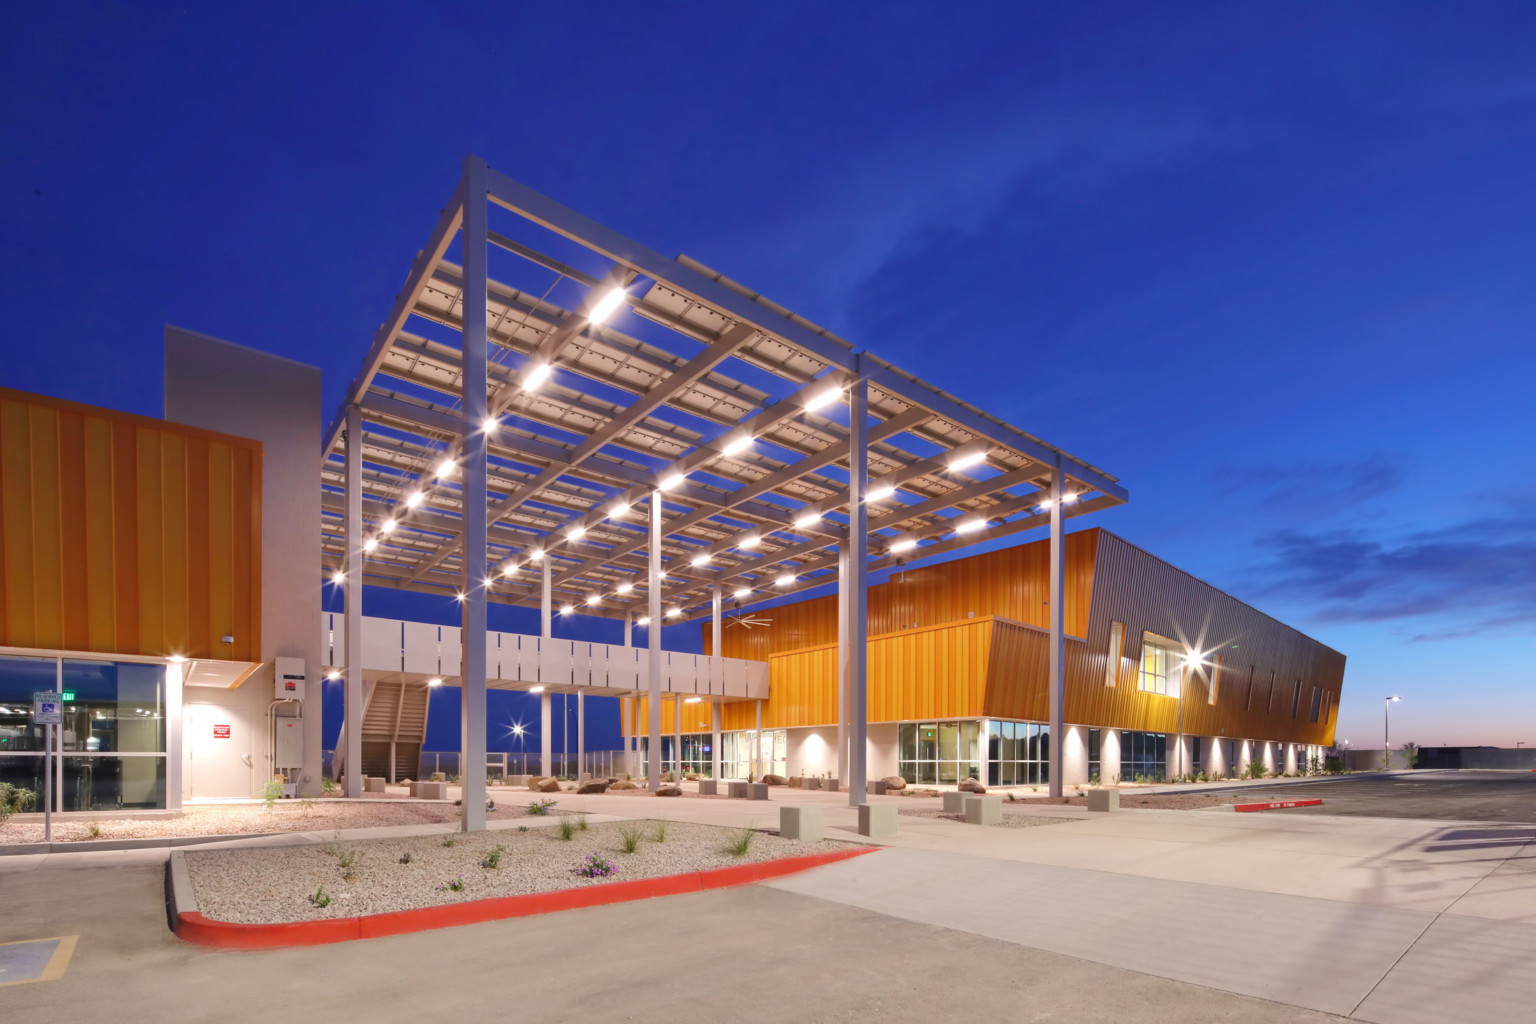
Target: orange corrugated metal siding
point(126, 535)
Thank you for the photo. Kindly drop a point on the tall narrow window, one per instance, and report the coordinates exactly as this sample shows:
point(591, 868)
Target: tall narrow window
point(1271, 702)
point(1249, 702)
point(1215, 680)
point(1317, 699)
point(1295, 697)
point(1112, 657)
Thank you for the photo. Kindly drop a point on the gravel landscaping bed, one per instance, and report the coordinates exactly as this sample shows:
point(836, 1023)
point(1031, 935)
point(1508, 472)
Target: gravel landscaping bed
point(276, 884)
point(1010, 819)
point(243, 819)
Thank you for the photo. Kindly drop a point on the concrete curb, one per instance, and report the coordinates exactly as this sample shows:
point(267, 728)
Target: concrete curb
point(191, 926)
point(172, 842)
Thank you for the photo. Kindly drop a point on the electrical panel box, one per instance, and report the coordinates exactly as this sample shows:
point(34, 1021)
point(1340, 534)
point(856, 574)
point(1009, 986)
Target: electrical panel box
point(290, 743)
point(288, 673)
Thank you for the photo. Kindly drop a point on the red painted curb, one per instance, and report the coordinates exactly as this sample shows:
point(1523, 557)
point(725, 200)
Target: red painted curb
point(195, 928)
point(1276, 805)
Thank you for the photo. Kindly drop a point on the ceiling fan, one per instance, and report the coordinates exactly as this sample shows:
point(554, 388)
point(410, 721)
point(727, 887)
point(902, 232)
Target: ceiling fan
point(744, 620)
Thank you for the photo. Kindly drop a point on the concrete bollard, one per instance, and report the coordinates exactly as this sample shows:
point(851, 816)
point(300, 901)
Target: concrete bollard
point(832, 785)
point(875, 786)
point(1103, 799)
point(708, 787)
point(802, 823)
point(954, 803)
point(737, 790)
point(878, 821)
point(984, 810)
point(757, 791)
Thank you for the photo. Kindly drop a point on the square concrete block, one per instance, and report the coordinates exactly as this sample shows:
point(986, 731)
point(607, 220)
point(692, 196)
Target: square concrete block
point(757, 791)
point(832, 785)
point(1103, 799)
point(373, 785)
point(429, 790)
point(954, 803)
point(877, 820)
point(737, 790)
point(875, 786)
point(520, 781)
point(800, 823)
point(810, 782)
point(708, 787)
point(984, 810)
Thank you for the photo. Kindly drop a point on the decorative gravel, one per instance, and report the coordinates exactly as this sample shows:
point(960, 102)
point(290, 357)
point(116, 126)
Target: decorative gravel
point(1009, 820)
point(274, 884)
point(284, 816)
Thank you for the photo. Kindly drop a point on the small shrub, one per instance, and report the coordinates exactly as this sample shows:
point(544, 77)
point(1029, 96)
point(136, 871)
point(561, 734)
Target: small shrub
point(581, 822)
point(405, 858)
point(522, 828)
point(307, 804)
point(15, 800)
point(540, 808)
point(493, 859)
point(271, 793)
point(328, 786)
point(1093, 779)
point(659, 833)
point(94, 829)
point(321, 898)
point(629, 839)
point(449, 840)
point(454, 885)
point(741, 842)
point(1011, 797)
point(347, 861)
point(595, 866)
point(567, 827)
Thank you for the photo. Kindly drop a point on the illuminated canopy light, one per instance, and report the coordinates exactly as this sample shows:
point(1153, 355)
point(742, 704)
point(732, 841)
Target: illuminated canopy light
point(699, 560)
point(750, 541)
point(535, 555)
point(568, 609)
point(536, 376)
point(388, 526)
point(509, 570)
point(370, 544)
point(739, 444)
point(577, 532)
point(333, 675)
point(445, 468)
point(967, 461)
point(594, 599)
point(176, 659)
point(414, 499)
point(971, 526)
point(1069, 497)
point(535, 689)
point(785, 580)
point(823, 399)
point(807, 520)
point(644, 620)
point(905, 544)
point(490, 424)
point(338, 576)
point(692, 700)
point(606, 305)
point(625, 588)
point(880, 494)
point(671, 481)
point(673, 613)
point(434, 682)
point(459, 596)
point(743, 592)
point(617, 509)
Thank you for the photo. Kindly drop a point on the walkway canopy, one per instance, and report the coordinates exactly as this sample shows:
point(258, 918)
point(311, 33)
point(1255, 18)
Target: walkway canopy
point(566, 418)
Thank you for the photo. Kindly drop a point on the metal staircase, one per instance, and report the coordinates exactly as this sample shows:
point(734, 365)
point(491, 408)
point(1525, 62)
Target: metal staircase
point(394, 728)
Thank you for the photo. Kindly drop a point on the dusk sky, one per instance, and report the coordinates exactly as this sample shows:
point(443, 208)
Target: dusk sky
point(1270, 264)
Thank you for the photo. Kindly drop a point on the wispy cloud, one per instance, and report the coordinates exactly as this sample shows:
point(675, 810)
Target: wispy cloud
point(1468, 579)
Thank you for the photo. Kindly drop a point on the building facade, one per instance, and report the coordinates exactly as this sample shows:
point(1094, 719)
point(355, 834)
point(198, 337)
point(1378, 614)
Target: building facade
point(1166, 676)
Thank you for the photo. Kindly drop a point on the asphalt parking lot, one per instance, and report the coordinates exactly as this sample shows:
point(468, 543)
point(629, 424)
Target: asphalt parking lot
point(1429, 795)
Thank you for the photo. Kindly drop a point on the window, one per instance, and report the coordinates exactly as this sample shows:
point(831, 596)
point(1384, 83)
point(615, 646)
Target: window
point(1295, 697)
point(1194, 753)
point(1271, 701)
point(1093, 755)
point(1248, 704)
point(1143, 755)
point(1215, 681)
point(1112, 658)
point(1317, 697)
point(1156, 667)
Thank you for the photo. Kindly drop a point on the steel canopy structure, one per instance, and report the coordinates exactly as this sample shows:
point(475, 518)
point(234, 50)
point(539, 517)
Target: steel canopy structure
point(566, 418)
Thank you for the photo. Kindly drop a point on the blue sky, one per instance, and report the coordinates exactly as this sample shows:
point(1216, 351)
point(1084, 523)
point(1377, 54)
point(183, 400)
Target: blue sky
point(1271, 264)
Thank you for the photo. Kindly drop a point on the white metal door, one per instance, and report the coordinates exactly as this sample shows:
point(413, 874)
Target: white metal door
point(220, 761)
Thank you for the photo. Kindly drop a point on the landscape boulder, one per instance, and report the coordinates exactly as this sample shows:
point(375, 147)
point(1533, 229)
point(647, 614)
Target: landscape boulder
point(692, 777)
point(670, 791)
point(775, 780)
point(623, 784)
point(548, 785)
point(594, 787)
point(971, 786)
point(895, 782)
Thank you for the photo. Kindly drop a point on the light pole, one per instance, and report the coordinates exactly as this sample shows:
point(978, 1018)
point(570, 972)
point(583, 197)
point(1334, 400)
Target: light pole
point(1386, 735)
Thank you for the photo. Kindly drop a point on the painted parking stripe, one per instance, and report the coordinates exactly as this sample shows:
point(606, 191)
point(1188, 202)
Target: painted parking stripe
point(35, 959)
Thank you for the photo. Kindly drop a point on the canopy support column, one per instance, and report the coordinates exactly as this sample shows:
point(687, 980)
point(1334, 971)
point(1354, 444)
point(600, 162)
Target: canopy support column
point(856, 587)
point(716, 685)
point(1056, 602)
point(474, 405)
point(352, 574)
point(547, 632)
point(653, 647)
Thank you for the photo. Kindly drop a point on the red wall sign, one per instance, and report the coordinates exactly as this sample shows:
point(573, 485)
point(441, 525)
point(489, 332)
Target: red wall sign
point(221, 732)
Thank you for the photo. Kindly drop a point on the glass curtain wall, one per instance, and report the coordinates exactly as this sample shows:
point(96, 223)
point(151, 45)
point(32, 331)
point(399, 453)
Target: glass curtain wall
point(112, 738)
point(939, 753)
point(735, 753)
point(1018, 754)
